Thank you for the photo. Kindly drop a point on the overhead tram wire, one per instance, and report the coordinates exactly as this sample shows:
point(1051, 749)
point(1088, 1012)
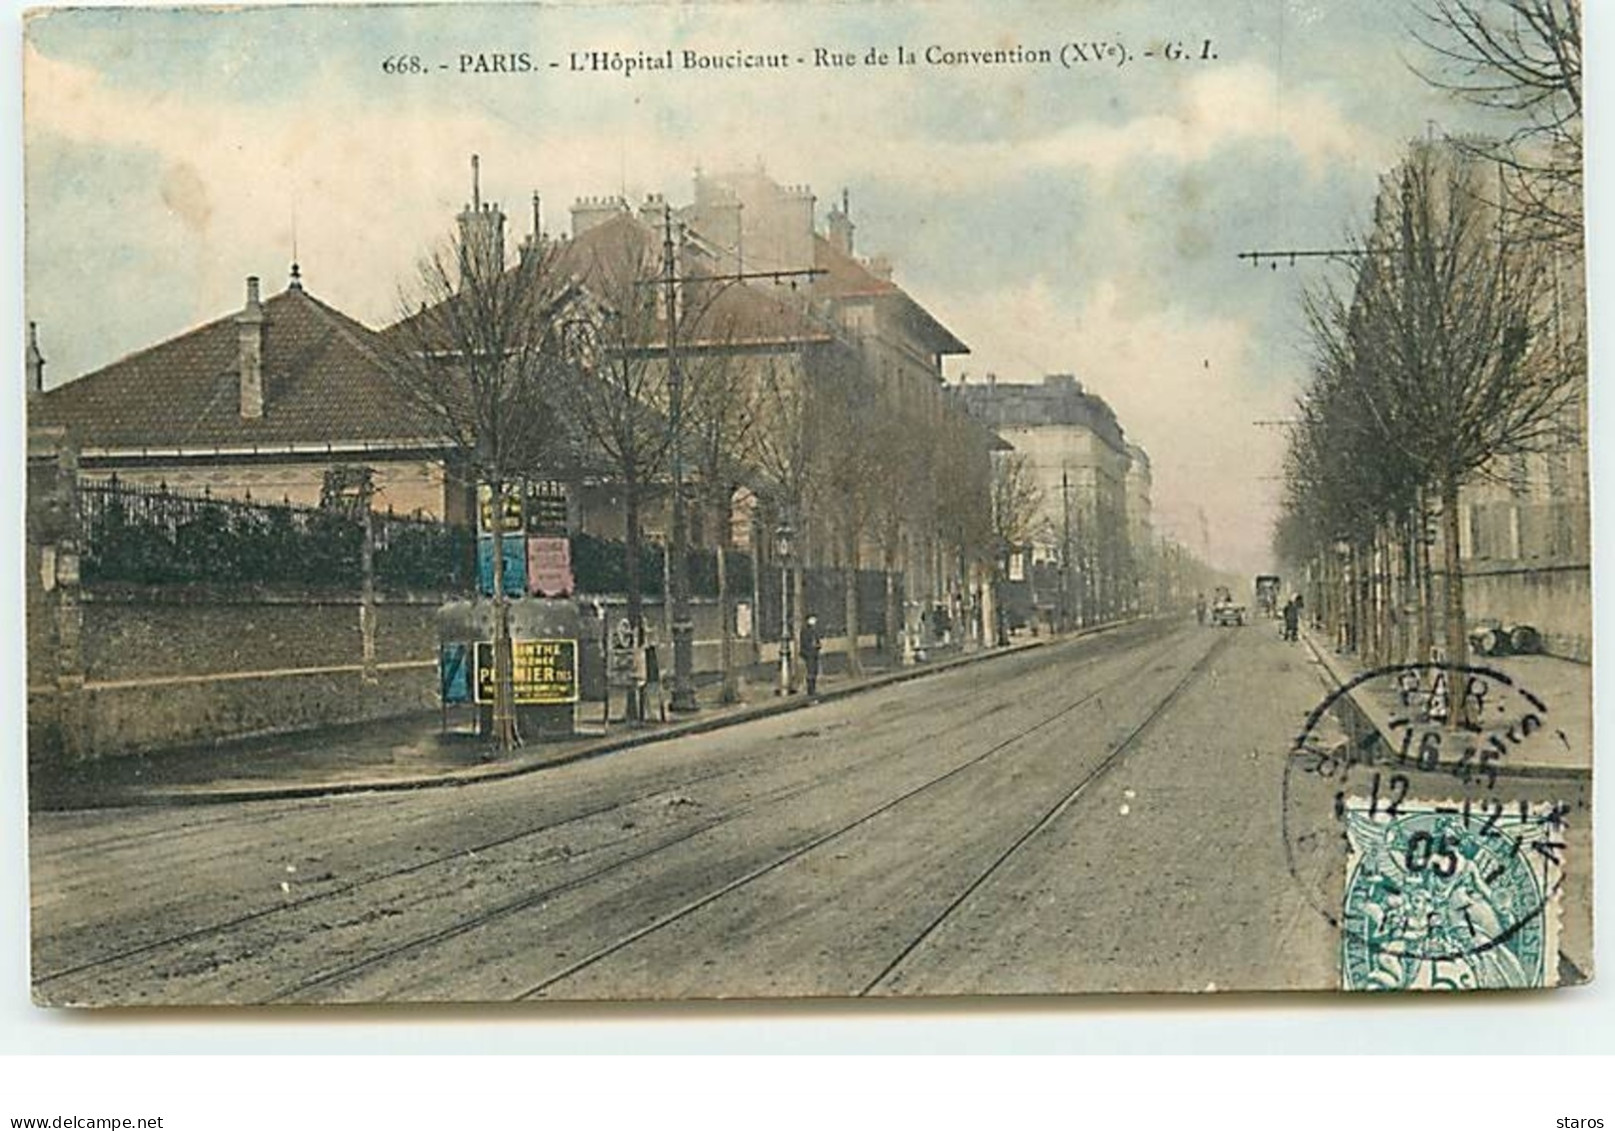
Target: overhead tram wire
point(1275, 257)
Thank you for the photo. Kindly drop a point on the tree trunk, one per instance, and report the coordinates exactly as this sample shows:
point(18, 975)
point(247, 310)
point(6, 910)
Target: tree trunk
point(759, 561)
point(1370, 587)
point(1427, 629)
point(1453, 589)
point(849, 592)
point(636, 602)
point(797, 610)
point(1410, 588)
point(726, 630)
point(1378, 564)
point(1387, 593)
point(1348, 592)
point(504, 706)
point(892, 626)
point(1364, 574)
point(1401, 575)
point(1357, 599)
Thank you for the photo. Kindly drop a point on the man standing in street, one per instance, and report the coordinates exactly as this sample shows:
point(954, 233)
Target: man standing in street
point(1292, 618)
point(811, 646)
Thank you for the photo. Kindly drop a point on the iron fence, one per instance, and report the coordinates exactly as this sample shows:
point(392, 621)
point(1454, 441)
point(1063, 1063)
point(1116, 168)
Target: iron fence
point(600, 565)
point(157, 535)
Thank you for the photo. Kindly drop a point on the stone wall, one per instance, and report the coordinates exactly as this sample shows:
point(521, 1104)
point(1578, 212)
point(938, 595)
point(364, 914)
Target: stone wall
point(161, 667)
point(1557, 602)
point(121, 669)
point(181, 666)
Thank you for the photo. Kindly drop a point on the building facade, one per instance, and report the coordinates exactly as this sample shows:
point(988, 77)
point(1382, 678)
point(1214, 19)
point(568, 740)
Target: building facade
point(1141, 527)
point(261, 403)
point(899, 475)
point(266, 402)
point(1083, 549)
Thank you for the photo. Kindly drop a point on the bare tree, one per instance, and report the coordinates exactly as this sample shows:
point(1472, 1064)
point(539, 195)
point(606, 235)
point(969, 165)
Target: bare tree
point(962, 471)
point(905, 493)
point(1017, 501)
point(1336, 493)
point(617, 395)
point(722, 415)
point(787, 446)
point(853, 469)
point(1521, 59)
point(477, 356)
point(1448, 341)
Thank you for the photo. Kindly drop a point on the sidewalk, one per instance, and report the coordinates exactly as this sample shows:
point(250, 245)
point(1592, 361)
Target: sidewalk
point(414, 752)
point(1563, 686)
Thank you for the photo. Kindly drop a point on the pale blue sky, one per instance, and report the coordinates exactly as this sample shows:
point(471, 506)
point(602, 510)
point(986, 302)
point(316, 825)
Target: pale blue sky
point(1083, 221)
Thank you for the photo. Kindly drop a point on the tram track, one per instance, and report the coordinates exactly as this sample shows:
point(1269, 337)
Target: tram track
point(539, 897)
point(1054, 813)
point(863, 819)
point(739, 883)
point(898, 722)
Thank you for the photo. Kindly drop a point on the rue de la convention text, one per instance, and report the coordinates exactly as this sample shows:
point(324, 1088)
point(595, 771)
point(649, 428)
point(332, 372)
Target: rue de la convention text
point(1073, 55)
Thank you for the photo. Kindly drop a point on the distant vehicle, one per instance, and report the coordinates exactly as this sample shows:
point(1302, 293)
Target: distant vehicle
point(1267, 594)
point(1224, 611)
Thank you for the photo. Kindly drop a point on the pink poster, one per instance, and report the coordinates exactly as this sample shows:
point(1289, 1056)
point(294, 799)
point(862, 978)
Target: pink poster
point(549, 566)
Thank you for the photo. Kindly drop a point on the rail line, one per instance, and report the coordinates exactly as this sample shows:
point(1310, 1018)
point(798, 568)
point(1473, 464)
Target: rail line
point(682, 781)
point(332, 893)
point(530, 899)
point(1050, 816)
point(824, 838)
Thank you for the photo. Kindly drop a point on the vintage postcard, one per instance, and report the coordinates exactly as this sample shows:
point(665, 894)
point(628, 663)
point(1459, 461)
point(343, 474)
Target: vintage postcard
point(790, 500)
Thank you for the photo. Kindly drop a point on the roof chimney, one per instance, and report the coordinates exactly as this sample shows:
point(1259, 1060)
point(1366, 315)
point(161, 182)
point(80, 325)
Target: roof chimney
point(482, 232)
point(841, 226)
point(35, 361)
point(535, 239)
point(250, 324)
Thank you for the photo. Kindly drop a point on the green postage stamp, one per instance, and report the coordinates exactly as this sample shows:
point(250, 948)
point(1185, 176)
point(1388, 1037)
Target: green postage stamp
point(1451, 895)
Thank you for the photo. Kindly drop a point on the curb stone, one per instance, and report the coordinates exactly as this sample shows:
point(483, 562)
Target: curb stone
point(1367, 710)
point(608, 745)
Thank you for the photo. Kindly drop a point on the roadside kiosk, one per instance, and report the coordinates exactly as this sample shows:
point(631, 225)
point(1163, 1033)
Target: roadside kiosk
point(545, 636)
point(546, 627)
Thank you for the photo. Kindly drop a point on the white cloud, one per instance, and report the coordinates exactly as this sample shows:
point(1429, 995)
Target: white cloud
point(368, 186)
point(1189, 389)
point(372, 180)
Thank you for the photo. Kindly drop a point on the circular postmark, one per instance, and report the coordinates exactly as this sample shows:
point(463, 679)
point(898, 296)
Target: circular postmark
point(1413, 823)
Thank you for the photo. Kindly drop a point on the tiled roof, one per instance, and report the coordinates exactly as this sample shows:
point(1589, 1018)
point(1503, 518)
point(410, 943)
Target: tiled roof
point(845, 278)
point(738, 314)
point(324, 383)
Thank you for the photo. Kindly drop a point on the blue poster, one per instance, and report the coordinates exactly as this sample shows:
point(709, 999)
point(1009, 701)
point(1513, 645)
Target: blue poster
point(515, 547)
point(454, 673)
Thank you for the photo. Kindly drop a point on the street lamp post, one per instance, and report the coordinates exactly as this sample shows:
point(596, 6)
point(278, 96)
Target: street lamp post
point(670, 281)
point(782, 549)
point(683, 697)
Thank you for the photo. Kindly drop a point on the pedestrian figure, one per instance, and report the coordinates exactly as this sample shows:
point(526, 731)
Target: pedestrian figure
point(1200, 607)
point(812, 644)
point(1292, 618)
